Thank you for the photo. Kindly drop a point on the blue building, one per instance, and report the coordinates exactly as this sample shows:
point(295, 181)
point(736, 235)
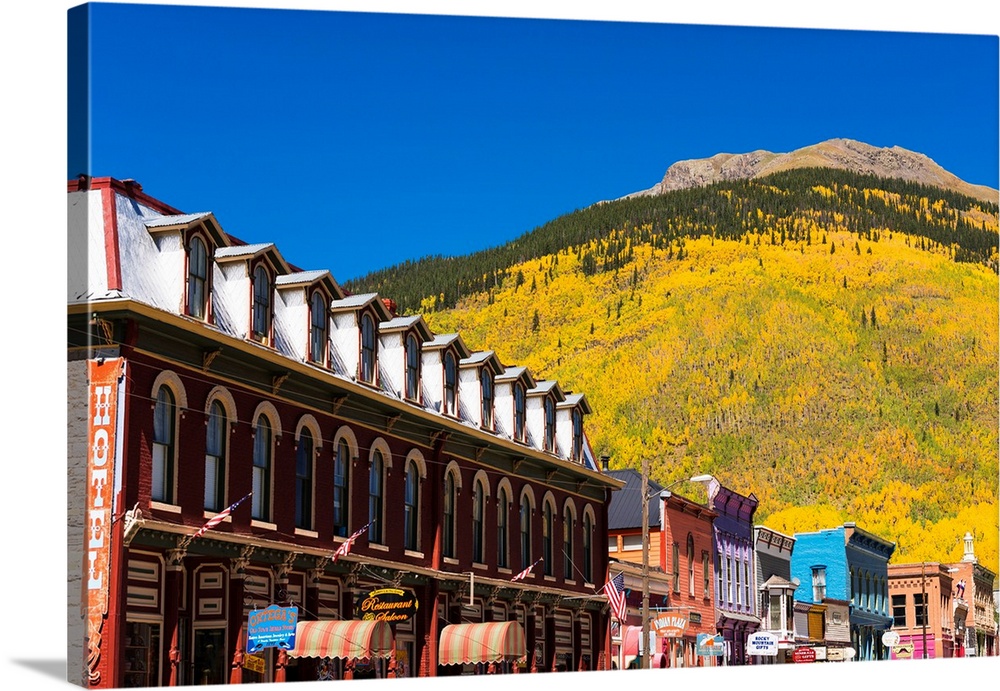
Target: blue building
point(848, 563)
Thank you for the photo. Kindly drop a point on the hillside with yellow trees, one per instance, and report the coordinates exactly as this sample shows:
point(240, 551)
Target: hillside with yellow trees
point(822, 339)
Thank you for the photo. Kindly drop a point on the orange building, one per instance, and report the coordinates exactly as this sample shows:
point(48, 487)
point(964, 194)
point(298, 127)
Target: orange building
point(920, 604)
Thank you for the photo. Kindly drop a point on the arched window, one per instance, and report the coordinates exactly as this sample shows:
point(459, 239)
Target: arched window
point(304, 480)
point(486, 379)
point(376, 487)
point(412, 368)
point(215, 458)
point(588, 549)
point(577, 434)
point(411, 506)
point(690, 558)
point(367, 349)
point(503, 507)
point(164, 451)
point(318, 320)
point(448, 528)
point(478, 525)
point(263, 451)
point(261, 304)
point(518, 411)
point(341, 471)
point(525, 517)
point(547, 537)
point(450, 384)
point(550, 424)
point(567, 544)
point(197, 288)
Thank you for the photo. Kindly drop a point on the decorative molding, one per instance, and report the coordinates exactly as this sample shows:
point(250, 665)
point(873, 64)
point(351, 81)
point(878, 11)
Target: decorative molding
point(207, 356)
point(175, 558)
point(238, 565)
point(336, 402)
point(480, 450)
point(518, 462)
point(391, 420)
point(281, 570)
point(276, 381)
point(439, 434)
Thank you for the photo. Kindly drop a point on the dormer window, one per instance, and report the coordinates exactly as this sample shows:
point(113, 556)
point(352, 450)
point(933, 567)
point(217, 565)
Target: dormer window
point(577, 434)
point(318, 320)
point(197, 283)
point(261, 327)
point(412, 368)
point(367, 349)
point(486, 378)
point(550, 424)
point(518, 411)
point(450, 384)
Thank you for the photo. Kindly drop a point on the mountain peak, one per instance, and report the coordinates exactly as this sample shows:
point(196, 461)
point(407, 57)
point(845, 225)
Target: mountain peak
point(847, 154)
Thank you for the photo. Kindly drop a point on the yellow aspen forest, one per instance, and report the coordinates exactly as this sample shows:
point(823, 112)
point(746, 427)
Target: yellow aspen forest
point(837, 375)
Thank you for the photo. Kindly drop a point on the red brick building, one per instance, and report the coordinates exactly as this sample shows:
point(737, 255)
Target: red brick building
point(206, 374)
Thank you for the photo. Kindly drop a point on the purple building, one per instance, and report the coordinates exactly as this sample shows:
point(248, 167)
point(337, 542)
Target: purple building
point(735, 592)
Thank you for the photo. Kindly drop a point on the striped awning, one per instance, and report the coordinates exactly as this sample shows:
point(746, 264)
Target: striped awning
point(354, 639)
point(489, 642)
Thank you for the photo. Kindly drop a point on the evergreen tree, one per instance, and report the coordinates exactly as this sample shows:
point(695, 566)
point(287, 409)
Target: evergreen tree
point(535, 322)
point(874, 324)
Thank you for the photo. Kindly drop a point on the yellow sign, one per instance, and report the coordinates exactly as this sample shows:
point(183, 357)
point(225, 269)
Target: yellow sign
point(904, 650)
point(254, 663)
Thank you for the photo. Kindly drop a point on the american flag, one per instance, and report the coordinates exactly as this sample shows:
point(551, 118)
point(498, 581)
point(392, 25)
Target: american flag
point(615, 590)
point(524, 574)
point(346, 545)
point(219, 517)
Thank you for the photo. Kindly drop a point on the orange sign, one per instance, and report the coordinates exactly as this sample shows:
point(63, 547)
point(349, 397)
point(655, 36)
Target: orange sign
point(670, 625)
point(102, 392)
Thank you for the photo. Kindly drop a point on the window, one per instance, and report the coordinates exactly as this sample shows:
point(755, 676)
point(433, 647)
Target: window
point(411, 505)
point(486, 378)
point(899, 611)
point(690, 558)
point(719, 586)
point(550, 424)
point(518, 411)
point(547, 538)
point(746, 583)
point(304, 480)
point(577, 434)
point(450, 384)
point(215, 458)
point(164, 420)
point(729, 579)
point(341, 469)
point(448, 529)
point(525, 532)
point(412, 368)
point(477, 522)
point(503, 506)
point(376, 487)
point(261, 304)
point(676, 567)
point(920, 609)
point(567, 544)
point(588, 549)
point(367, 349)
point(869, 595)
point(317, 332)
point(819, 583)
point(262, 454)
point(706, 580)
point(739, 584)
point(774, 612)
point(197, 295)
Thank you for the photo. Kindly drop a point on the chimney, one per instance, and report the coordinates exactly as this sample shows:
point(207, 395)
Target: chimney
point(604, 463)
point(390, 305)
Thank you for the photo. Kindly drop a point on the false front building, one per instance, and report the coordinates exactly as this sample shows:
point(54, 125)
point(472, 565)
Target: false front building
point(212, 382)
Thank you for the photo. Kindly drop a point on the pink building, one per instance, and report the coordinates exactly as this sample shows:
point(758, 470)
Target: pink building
point(922, 610)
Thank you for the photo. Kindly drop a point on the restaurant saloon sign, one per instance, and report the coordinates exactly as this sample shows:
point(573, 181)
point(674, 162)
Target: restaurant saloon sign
point(386, 604)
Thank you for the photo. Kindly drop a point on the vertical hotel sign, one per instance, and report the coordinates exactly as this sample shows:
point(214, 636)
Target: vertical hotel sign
point(102, 392)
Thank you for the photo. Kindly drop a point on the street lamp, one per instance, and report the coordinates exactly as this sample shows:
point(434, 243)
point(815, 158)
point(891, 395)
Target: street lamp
point(646, 496)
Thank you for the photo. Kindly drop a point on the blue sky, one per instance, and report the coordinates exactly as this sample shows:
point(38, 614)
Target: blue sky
point(356, 141)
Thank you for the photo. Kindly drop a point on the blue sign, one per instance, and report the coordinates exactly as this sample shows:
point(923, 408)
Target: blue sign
point(708, 644)
point(272, 627)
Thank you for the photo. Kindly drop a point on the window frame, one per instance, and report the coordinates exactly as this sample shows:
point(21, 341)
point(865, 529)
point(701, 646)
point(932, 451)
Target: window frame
point(520, 412)
point(503, 527)
point(319, 326)
point(217, 426)
point(568, 543)
point(478, 521)
point(262, 468)
point(675, 567)
point(524, 515)
point(261, 305)
point(305, 455)
point(412, 366)
point(450, 383)
point(547, 537)
point(376, 497)
point(577, 417)
point(818, 583)
point(449, 506)
point(194, 307)
point(341, 490)
point(550, 424)
point(164, 445)
point(690, 560)
point(705, 575)
point(588, 548)
point(368, 362)
point(411, 506)
point(899, 610)
point(486, 384)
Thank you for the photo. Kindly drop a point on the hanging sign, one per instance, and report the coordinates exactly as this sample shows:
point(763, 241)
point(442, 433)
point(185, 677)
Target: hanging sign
point(890, 638)
point(272, 627)
point(386, 604)
point(803, 654)
point(762, 643)
point(708, 644)
point(254, 663)
point(670, 625)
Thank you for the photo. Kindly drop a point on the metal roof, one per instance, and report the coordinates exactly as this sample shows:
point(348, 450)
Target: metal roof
point(625, 510)
point(242, 250)
point(301, 277)
point(352, 301)
point(175, 220)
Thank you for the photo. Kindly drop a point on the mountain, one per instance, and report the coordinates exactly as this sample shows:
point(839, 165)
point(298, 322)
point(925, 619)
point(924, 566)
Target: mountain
point(844, 154)
point(824, 338)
